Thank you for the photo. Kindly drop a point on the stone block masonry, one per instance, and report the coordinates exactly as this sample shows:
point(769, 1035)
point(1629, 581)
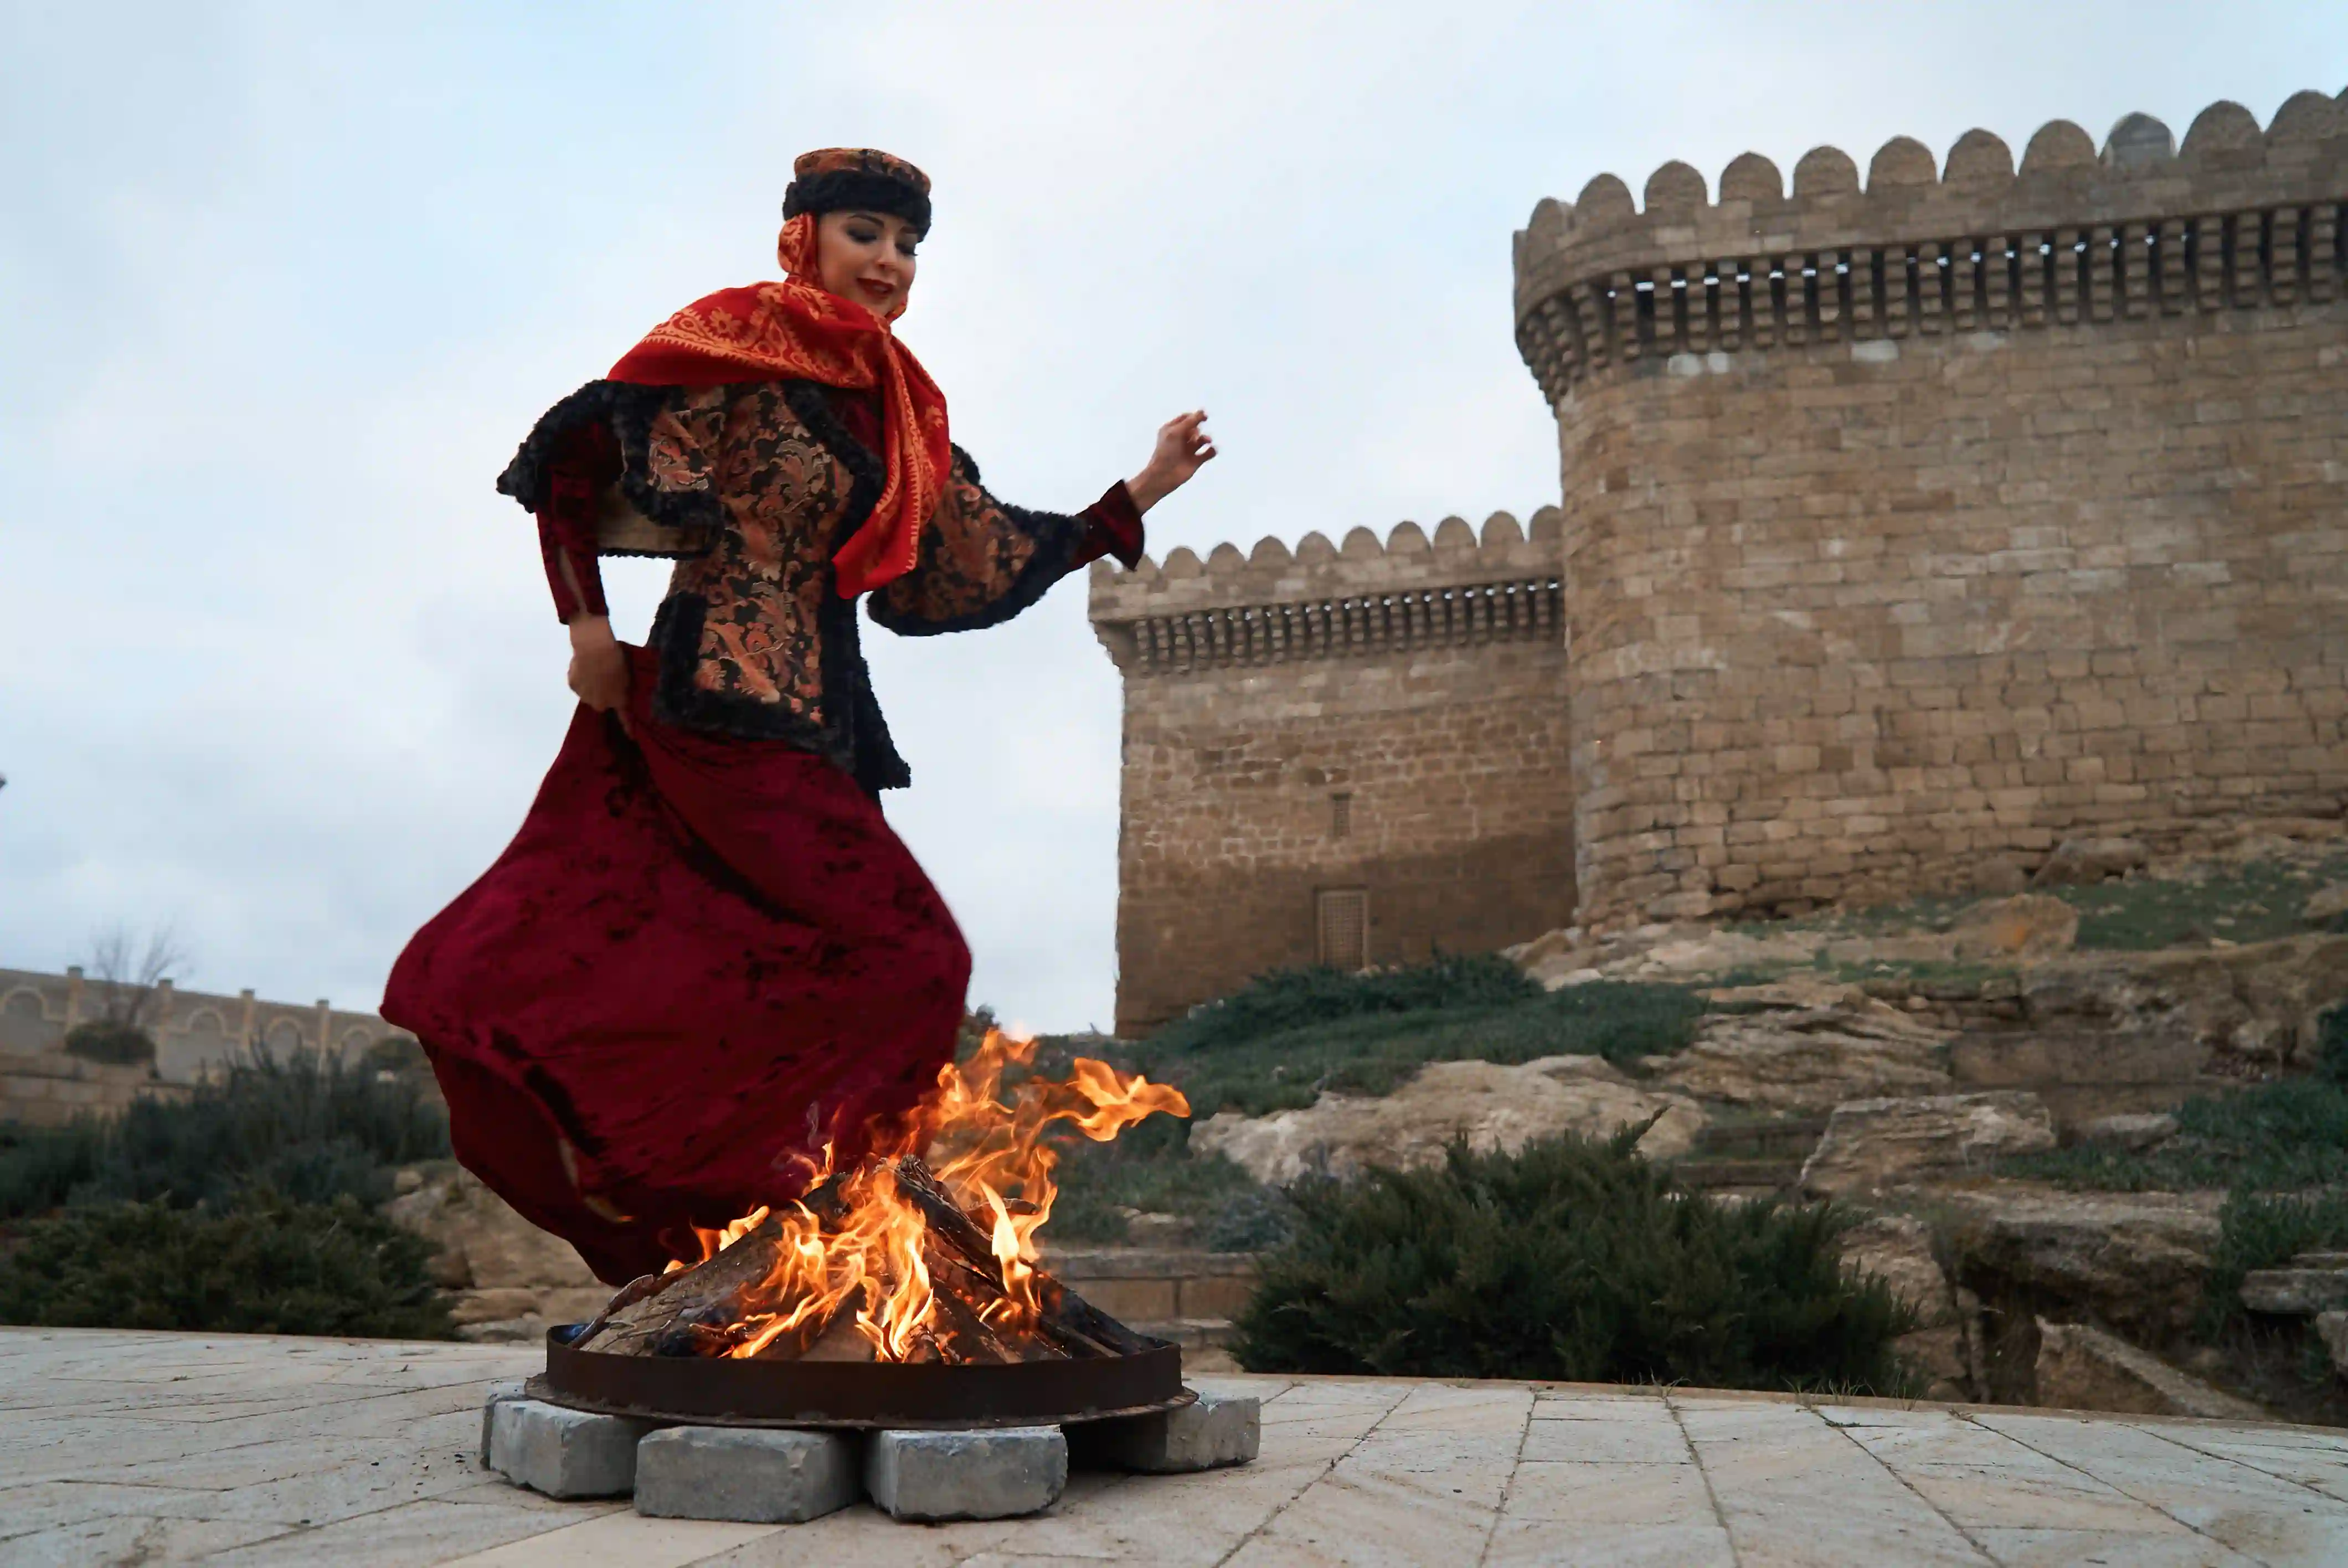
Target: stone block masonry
point(933, 1476)
point(1918, 524)
point(753, 1474)
point(562, 1452)
point(1909, 527)
point(1354, 756)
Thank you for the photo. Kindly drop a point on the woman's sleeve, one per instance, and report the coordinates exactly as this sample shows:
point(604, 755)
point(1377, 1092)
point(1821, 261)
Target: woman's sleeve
point(655, 447)
point(585, 460)
point(983, 560)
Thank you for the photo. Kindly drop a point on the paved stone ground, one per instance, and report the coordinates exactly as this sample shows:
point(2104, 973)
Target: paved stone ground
point(122, 1448)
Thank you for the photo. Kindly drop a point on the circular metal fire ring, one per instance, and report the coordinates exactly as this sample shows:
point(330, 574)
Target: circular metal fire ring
point(709, 1391)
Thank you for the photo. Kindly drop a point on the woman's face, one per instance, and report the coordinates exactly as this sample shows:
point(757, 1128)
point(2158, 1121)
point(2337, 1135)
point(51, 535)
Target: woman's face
point(867, 257)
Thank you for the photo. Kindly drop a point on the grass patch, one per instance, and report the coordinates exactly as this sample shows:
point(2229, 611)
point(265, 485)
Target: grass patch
point(1279, 1044)
point(2257, 901)
point(2272, 1136)
point(2245, 901)
point(261, 1264)
point(2289, 1134)
point(1574, 1259)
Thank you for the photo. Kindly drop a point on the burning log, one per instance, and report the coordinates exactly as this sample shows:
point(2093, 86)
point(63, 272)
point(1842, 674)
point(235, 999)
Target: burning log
point(715, 1291)
point(884, 1262)
point(1080, 1328)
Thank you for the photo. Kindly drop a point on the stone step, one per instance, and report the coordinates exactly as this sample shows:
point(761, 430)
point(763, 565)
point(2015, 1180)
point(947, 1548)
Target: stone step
point(1759, 1174)
point(1157, 1284)
point(1784, 1138)
point(2296, 1292)
point(1190, 1333)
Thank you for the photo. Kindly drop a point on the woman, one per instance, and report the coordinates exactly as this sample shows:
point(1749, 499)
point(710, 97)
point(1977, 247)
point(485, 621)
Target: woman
point(706, 954)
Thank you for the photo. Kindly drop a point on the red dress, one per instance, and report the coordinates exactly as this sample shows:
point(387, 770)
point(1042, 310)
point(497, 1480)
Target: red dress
point(706, 952)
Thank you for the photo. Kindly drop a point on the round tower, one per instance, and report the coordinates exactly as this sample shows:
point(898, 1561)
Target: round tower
point(1915, 523)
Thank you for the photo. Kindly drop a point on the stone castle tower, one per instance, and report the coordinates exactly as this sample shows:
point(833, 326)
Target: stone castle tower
point(1350, 756)
point(1909, 526)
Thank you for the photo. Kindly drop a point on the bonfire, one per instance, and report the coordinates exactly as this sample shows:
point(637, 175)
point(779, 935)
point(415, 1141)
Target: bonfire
point(921, 1251)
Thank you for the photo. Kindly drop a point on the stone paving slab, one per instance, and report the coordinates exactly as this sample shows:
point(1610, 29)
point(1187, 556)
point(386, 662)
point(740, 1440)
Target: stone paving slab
point(150, 1449)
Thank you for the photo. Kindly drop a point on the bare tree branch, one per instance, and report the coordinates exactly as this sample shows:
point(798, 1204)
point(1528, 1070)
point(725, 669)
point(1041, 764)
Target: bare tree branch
point(132, 971)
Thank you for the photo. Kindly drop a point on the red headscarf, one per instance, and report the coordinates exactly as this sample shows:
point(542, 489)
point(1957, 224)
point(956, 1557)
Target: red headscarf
point(798, 329)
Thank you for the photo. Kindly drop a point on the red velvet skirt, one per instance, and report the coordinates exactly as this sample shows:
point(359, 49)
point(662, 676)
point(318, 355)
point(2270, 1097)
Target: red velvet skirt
point(698, 959)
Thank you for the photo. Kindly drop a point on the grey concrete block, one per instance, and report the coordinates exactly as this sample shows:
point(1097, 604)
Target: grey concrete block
point(564, 1452)
point(499, 1393)
point(1218, 1430)
point(755, 1474)
point(996, 1474)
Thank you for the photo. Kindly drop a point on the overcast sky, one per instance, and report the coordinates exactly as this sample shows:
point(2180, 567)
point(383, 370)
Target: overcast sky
point(280, 287)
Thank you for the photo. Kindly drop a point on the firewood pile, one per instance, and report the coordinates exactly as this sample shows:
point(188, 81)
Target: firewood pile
point(808, 1282)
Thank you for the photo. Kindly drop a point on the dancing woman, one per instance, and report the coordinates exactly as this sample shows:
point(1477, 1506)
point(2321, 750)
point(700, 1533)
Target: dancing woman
point(706, 952)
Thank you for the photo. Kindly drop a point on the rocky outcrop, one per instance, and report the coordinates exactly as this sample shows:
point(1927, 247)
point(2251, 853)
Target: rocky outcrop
point(1944, 1345)
point(2236, 1011)
point(2311, 1284)
point(1802, 1044)
point(2078, 862)
point(2081, 1368)
point(2133, 1262)
point(2025, 927)
point(506, 1278)
point(1897, 1249)
point(2332, 1331)
point(1492, 1106)
point(2110, 1033)
point(1872, 1144)
point(2136, 1132)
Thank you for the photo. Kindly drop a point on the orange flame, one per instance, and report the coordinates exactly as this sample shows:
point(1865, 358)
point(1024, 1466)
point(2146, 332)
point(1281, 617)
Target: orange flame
point(990, 1154)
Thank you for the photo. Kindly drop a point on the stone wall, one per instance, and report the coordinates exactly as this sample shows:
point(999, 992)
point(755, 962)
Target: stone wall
point(50, 1089)
point(194, 1031)
point(1911, 527)
point(1384, 721)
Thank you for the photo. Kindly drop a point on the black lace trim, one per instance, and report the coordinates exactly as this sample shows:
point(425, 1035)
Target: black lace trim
point(628, 411)
point(848, 695)
point(1058, 536)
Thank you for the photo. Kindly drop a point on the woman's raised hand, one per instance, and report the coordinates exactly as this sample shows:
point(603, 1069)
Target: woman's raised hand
point(599, 665)
point(1183, 448)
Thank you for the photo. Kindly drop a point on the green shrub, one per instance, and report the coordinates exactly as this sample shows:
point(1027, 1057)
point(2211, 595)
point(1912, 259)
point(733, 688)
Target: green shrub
point(1574, 1260)
point(1293, 999)
point(258, 1264)
point(1255, 1219)
point(1152, 1173)
point(1280, 1042)
point(41, 1166)
point(396, 1054)
point(312, 1130)
point(2264, 1232)
point(116, 1044)
point(2332, 1045)
point(2289, 1134)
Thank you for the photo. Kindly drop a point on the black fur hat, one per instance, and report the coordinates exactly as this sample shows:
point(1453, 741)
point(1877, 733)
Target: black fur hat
point(839, 177)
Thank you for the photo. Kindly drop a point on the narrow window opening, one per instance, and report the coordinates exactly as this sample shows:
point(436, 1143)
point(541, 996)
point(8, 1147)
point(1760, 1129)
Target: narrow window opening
point(1341, 815)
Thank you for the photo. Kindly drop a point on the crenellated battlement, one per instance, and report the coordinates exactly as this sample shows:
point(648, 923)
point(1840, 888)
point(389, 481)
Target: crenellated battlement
point(1327, 600)
point(2235, 218)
